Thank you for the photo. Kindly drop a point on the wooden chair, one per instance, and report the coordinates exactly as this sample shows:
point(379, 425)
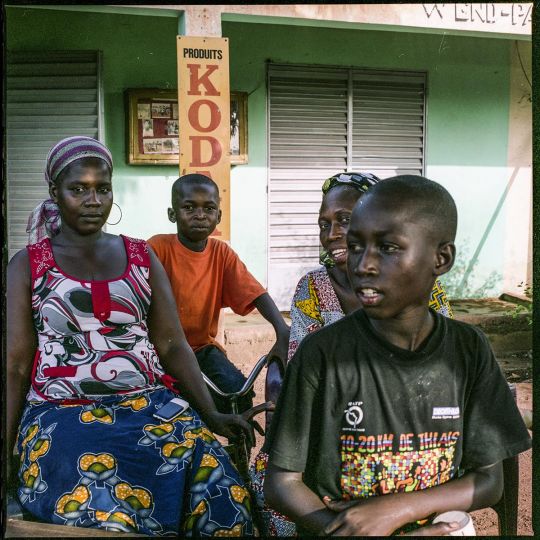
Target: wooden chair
point(507, 507)
point(18, 528)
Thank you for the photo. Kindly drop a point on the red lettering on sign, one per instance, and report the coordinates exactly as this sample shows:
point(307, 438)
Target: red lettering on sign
point(195, 81)
point(196, 154)
point(193, 115)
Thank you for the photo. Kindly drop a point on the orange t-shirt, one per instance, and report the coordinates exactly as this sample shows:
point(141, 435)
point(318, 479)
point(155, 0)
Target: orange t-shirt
point(203, 283)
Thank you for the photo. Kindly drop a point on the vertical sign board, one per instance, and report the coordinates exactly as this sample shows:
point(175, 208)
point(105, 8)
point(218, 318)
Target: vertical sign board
point(204, 115)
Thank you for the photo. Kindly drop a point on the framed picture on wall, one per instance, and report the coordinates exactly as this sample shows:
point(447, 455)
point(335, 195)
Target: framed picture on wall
point(153, 127)
point(239, 128)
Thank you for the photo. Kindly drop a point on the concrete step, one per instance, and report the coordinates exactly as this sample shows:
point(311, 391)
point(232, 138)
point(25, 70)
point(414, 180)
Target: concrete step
point(248, 338)
point(508, 330)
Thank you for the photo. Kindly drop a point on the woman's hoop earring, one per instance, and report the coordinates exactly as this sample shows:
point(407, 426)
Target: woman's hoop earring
point(119, 219)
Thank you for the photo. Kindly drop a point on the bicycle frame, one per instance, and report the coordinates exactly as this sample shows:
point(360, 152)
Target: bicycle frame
point(239, 450)
point(233, 397)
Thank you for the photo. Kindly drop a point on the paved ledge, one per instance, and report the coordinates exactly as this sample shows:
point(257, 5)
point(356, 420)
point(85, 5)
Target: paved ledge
point(252, 328)
point(247, 338)
point(490, 314)
point(509, 332)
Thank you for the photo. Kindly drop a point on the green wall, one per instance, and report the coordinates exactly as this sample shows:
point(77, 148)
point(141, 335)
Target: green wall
point(467, 114)
point(138, 52)
point(467, 118)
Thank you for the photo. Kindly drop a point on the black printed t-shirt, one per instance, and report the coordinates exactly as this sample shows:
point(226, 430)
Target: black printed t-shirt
point(361, 417)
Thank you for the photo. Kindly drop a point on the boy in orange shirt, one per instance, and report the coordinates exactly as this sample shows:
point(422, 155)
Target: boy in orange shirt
point(207, 275)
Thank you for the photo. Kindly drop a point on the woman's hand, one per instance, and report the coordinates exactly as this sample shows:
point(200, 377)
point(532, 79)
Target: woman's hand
point(229, 425)
point(268, 407)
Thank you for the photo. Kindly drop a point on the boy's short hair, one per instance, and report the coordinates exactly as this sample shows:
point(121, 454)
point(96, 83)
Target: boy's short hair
point(193, 179)
point(428, 201)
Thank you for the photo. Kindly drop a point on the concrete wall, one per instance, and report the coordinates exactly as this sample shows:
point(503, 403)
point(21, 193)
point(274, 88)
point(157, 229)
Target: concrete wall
point(473, 91)
point(518, 223)
point(138, 52)
point(468, 119)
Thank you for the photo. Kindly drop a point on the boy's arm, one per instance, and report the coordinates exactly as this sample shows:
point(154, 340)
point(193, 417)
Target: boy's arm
point(381, 516)
point(285, 492)
point(242, 292)
point(268, 309)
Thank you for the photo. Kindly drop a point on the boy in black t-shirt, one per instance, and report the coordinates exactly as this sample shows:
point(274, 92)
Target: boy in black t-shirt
point(394, 398)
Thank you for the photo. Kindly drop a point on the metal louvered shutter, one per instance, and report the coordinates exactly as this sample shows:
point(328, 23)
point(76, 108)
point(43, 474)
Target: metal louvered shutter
point(388, 123)
point(322, 121)
point(50, 95)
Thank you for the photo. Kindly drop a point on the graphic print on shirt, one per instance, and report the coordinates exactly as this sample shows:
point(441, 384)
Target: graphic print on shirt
point(382, 463)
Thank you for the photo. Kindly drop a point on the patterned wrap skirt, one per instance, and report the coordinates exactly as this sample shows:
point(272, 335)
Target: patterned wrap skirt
point(113, 465)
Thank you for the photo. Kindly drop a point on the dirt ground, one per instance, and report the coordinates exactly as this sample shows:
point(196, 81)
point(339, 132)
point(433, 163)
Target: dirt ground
point(485, 520)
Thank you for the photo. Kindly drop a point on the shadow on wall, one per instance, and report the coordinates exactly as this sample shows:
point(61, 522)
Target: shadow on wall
point(473, 286)
point(458, 281)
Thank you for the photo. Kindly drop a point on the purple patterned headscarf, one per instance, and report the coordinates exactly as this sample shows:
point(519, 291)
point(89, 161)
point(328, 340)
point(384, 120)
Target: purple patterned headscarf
point(44, 221)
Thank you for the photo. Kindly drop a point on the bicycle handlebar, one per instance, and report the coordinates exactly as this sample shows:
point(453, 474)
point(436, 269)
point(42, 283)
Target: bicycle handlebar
point(246, 387)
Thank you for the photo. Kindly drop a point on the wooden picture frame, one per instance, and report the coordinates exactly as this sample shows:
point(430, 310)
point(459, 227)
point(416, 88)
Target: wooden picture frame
point(239, 154)
point(153, 129)
point(150, 120)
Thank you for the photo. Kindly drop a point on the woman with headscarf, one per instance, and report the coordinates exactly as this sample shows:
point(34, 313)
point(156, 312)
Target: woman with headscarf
point(96, 359)
point(324, 296)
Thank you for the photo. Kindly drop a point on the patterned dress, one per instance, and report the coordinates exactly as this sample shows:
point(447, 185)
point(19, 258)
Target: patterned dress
point(92, 452)
point(314, 305)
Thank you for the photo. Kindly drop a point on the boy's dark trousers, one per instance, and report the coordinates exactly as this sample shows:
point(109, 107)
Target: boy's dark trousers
point(225, 375)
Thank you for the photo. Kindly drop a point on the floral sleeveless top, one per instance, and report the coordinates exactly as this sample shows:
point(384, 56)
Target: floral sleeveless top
point(92, 335)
